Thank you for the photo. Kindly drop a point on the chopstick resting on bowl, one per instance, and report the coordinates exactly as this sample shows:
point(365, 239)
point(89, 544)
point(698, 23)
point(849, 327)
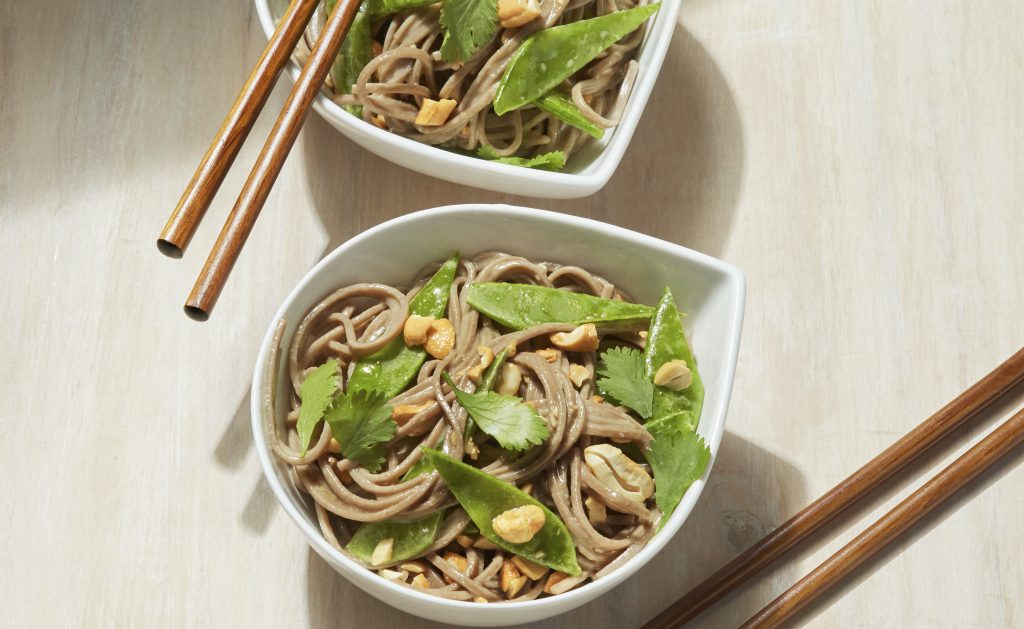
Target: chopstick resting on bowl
point(268, 165)
point(856, 486)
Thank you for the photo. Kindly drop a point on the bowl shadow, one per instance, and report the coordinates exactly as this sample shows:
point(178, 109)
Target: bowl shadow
point(691, 116)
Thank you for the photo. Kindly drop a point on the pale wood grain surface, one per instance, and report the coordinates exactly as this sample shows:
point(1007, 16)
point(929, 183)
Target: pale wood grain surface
point(861, 161)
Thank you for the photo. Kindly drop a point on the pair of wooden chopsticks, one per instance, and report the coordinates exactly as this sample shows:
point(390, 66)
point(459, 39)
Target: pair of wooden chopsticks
point(222, 152)
point(878, 535)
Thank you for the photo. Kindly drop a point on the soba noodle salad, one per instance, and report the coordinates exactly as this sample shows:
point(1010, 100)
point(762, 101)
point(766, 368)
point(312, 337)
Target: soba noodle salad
point(502, 430)
point(525, 82)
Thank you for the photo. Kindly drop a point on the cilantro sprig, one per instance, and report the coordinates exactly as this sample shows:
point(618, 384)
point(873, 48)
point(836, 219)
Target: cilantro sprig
point(361, 422)
point(514, 424)
point(316, 393)
point(624, 381)
point(468, 25)
point(553, 160)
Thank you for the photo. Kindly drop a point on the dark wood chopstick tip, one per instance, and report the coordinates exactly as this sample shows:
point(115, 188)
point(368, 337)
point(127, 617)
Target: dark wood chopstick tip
point(169, 249)
point(196, 313)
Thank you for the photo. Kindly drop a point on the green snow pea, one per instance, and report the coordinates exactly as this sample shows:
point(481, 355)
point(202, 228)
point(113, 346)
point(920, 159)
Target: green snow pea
point(521, 306)
point(411, 538)
point(552, 55)
point(666, 341)
point(356, 51)
point(562, 107)
point(484, 497)
point(377, 8)
point(390, 369)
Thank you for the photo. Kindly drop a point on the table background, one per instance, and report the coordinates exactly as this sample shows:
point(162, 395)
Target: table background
point(861, 161)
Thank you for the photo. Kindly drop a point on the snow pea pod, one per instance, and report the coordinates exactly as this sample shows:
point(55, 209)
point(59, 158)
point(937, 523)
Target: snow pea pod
point(521, 306)
point(356, 51)
point(666, 341)
point(552, 55)
point(484, 497)
point(411, 538)
point(390, 369)
point(377, 8)
point(562, 107)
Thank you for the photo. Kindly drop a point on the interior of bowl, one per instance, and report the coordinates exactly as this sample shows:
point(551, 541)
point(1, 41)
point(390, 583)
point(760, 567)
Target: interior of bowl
point(710, 291)
point(592, 157)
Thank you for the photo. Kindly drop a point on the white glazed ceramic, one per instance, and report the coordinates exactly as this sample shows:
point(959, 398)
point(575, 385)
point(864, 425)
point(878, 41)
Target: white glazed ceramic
point(710, 291)
point(586, 173)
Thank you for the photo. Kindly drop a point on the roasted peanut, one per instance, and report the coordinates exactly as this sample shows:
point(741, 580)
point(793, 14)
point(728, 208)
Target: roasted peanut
point(674, 375)
point(440, 338)
point(520, 524)
point(583, 339)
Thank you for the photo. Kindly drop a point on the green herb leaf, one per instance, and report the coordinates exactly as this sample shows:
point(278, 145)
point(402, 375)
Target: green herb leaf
point(356, 51)
point(666, 341)
point(513, 423)
point(624, 380)
point(555, 160)
point(411, 538)
point(678, 457)
point(562, 107)
point(361, 422)
point(316, 393)
point(379, 8)
point(468, 25)
point(485, 497)
point(522, 306)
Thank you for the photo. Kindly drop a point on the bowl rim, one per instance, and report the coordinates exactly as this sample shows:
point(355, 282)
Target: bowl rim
point(597, 173)
point(313, 535)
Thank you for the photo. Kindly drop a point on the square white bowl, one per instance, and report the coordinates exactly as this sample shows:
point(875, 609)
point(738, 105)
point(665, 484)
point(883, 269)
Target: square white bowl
point(709, 290)
point(587, 171)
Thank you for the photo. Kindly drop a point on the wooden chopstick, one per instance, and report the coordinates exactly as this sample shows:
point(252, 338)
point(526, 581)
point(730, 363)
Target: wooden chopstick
point(842, 496)
point(886, 529)
point(222, 152)
point(268, 165)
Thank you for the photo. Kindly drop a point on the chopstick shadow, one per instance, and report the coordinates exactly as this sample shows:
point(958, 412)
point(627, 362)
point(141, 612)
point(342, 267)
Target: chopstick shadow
point(686, 161)
point(750, 491)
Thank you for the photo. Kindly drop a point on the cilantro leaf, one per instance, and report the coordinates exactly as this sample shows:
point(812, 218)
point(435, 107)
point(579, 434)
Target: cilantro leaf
point(361, 422)
point(555, 160)
point(468, 25)
point(678, 457)
point(316, 393)
point(513, 423)
point(624, 380)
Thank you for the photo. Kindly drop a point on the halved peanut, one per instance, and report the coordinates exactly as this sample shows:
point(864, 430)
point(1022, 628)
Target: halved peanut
point(583, 339)
point(578, 374)
point(434, 113)
point(382, 551)
point(415, 330)
point(533, 570)
point(404, 412)
point(520, 524)
point(440, 338)
point(515, 13)
point(674, 375)
point(619, 472)
point(509, 379)
point(548, 354)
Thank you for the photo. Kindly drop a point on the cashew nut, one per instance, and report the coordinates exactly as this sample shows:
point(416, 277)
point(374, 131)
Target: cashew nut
point(674, 375)
point(404, 412)
point(519, 525)
point(578, 374)
point(548, 354)
point(619, 472)
point(509, 379)
point(415, 330)
point(582, 339)
point(597, 513)
point(515, 13)
point(440, 338)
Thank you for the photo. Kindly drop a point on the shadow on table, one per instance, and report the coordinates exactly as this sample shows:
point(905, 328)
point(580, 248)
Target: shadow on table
point(750, 491)
point(684, 167)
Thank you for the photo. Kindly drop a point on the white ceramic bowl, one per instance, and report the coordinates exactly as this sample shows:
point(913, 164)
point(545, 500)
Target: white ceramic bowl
point(586, 173)
point(710, 291)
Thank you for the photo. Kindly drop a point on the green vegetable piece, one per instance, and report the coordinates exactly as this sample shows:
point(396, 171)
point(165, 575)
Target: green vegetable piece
point(316, 393)
point(522, 306)
point(555, 160)
point(513, 423)
point(552, 55)
point(493, 371)
point(678, 457)
point(561, 107)
point(411, 538)
point(356, 51)
point(625, 380)
point(380, 8)
point(468, 25)
point(485, 497)
point(666, 341)
point(361, 422)
point(422, 466)
point(390, 369)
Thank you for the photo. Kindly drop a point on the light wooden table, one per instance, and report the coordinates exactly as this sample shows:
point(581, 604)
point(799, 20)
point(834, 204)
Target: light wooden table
point(861, 161)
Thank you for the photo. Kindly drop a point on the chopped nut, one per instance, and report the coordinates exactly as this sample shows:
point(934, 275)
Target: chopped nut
point(486, 355)
point(440, 338)
point(674, 375)
point(434, 113)
point(582, 339)
point(379, 122)
point(511, 350)
point(578, 374)
point(520, 524)
point(333, 446)
point(553, 580)
point(382, 552)
point(479, 599)
point(475, 373)
point(394, 575)
point(509, 379)
point(509, 573)
point(456, 560)
point(413, 567)
point(416, 328)
point(533, 570)
point(420, 581)
point(514, 586)
point(642, 334)
point(550, 355)
point(404, 412)
point(619, 472)
point(598, 399)
point(482, 543)
point(597, 513)
point(465, 541)
point(471, 449)
point(515, 13)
